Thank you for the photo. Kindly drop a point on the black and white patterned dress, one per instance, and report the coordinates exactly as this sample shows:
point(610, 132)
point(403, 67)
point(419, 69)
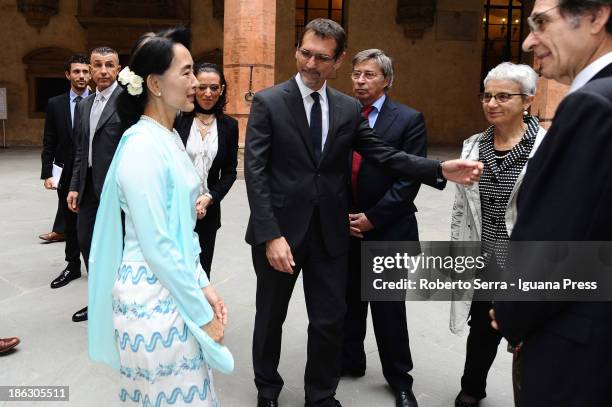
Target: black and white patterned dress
point(501, 171)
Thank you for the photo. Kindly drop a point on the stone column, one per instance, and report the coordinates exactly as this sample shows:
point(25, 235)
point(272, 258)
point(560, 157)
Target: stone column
point(249, 36)
point(548, 97)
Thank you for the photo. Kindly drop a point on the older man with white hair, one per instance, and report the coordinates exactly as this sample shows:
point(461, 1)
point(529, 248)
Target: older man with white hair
point(567, 196)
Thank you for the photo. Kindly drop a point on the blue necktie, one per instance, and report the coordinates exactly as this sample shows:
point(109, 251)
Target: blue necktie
point(316, 125)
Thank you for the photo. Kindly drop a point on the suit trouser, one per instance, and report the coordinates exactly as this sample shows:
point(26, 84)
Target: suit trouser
point(72, 251)
point(390, 329)
point(482, 344)
point(207, 239)
point(59, 224)
point(325, 291)
point(88, 208)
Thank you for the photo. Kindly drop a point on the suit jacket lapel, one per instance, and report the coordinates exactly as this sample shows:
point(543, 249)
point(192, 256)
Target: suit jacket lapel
point(385, 118)
point(604, 73)
point(67, 115)
point(221, 139)
point(85, 110)
point(109, 108)
point(295, 103)
point(335, 111)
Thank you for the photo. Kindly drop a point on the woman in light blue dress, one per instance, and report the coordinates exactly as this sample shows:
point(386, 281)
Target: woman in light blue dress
point(152, 313)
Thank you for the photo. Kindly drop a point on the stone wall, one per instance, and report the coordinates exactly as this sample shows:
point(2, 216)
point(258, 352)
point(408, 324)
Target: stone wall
point(437, 77)
point(64, 31)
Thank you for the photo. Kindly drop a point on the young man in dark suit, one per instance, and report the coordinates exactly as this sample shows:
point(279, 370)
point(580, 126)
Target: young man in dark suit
point(382, 209)
point(567, 196)
point(98, 130)
point(58, 149)
point(299, 137)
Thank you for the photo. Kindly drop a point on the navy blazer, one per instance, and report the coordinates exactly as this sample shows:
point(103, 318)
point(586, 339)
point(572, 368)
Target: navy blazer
point(58, 142)
point(386, 200)
point(222, 173)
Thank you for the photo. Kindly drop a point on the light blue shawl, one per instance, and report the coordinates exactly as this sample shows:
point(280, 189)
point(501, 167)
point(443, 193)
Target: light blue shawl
point(173, 268)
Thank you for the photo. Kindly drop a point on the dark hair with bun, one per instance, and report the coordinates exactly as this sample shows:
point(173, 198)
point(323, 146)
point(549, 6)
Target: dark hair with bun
point(152, 54)
point(217, 109)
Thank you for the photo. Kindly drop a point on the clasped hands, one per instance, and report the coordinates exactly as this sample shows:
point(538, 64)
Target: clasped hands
point(359, 223)
point(216, 327)
point(202, 204)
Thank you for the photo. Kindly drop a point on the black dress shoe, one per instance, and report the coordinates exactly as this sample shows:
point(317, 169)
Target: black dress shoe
point(460, 402)
point(405, 399)
point(264, 402)
point(66, 276)
point(80, 315)
point(326, 402)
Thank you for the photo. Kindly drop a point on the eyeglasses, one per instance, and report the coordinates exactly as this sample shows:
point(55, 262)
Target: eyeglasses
point(306, 54)
point(369, 75)
point(213, 88)
point(501, 97)
point(538, 21)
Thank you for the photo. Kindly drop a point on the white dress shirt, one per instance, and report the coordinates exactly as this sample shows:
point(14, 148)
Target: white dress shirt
point(309, 102)
point(590, 71)
point(73, 102)
point(96, 111)
point(202, 152)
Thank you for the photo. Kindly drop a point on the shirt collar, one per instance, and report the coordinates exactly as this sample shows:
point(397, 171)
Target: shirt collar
point(108, 91)
point(306, 91)
point(378, 103)
point(590, 71)
point(73, 95)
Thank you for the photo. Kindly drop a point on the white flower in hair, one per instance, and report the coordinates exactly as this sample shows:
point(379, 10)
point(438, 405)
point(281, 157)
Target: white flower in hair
point(131, 80)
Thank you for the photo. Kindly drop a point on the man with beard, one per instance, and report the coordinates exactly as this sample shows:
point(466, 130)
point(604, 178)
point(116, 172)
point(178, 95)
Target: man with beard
point(58, 149)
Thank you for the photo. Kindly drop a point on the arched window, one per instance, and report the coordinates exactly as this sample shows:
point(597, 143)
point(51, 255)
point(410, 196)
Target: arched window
point(503, 24)
point(307, 10)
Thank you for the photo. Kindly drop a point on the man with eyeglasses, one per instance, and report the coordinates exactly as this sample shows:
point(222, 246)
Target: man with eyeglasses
point(566, 195)
point(382, 209)
point(299, 137)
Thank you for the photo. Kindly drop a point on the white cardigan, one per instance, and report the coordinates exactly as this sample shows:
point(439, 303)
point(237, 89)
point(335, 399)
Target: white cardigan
point(466, 220)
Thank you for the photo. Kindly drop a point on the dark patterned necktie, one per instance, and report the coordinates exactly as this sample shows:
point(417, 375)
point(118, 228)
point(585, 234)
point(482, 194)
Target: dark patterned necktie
point(316, 125)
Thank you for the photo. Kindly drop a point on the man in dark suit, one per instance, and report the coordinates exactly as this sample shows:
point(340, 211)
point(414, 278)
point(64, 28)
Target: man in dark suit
point(567, 196)
point(58, 146)
point(98, 130)
point(382, 209)
point(58, 149)
point(299, 137)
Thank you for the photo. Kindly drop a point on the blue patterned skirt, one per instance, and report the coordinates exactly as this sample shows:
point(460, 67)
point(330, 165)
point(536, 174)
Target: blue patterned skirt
point(161, 362)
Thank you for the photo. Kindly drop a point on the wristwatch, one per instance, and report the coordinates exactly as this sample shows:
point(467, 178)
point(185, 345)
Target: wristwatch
point(440, 174)
point(211, 198)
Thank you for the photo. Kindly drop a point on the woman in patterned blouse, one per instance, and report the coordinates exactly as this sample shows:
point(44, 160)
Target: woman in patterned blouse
point(485, 211)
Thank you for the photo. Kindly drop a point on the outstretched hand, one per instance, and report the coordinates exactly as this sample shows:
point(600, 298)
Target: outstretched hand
point(464, 172)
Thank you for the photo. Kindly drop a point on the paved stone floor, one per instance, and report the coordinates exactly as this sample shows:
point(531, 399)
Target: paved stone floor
point(53, 349)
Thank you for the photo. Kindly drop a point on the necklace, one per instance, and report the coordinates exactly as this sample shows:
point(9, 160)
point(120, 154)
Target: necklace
point(201, 120)
point(175, 137)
